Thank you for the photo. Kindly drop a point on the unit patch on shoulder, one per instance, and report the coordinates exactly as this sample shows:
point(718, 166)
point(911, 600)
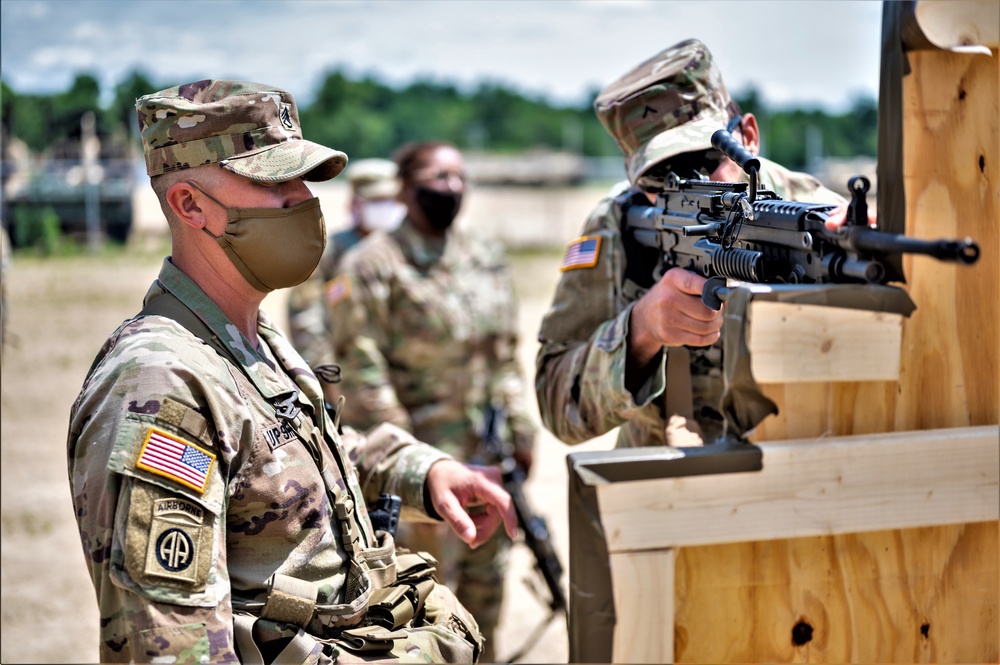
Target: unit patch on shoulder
point(172, 457)
point(581, 253)
point(175, 540)
point(337, 290)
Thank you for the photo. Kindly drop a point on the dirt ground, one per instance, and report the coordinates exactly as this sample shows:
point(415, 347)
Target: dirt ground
point(61, 310)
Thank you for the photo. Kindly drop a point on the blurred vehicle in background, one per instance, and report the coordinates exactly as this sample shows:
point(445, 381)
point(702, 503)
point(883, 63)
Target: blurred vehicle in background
point(68, 198)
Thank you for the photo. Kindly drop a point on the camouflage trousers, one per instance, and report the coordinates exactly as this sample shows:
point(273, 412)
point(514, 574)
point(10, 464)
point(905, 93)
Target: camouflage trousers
point(476, 575)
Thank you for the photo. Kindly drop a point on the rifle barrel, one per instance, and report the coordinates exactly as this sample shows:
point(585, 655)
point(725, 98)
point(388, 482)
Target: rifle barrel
point(965, 250)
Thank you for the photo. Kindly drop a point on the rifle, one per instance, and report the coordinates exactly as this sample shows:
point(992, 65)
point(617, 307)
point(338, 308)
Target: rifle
point(724, 230)
point(533, 526)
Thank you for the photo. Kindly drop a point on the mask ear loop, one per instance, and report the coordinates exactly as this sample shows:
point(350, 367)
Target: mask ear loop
point(217, 201)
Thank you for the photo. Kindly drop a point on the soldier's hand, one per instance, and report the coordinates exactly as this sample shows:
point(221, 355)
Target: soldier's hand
point(471, 500)
point(839, 216)
point(672, 314)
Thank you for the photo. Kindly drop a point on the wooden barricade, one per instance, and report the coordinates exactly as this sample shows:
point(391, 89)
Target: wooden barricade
point(870, 532)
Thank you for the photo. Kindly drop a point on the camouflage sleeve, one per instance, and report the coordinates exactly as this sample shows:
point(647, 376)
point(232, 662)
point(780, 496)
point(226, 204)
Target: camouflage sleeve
point(390, 460)
point(361, 326)
point(580, 367)
point(154, 542)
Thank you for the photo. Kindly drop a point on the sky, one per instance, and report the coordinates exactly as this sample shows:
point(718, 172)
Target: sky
point(812, 53)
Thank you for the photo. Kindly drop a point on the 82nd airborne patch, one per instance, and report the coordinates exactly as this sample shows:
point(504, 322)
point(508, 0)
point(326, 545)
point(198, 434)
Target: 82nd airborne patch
point(175, 541)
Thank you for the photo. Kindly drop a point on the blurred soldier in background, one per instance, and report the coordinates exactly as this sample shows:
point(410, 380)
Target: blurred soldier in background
point(425, 332)
point(4, 268)
point(223, 517)
point(373, 207)
point(618, 349)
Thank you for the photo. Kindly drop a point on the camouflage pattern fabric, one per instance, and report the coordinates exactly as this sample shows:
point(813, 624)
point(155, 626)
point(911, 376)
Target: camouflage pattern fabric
point(426, 338)
point(248, 128)
point(195, 478)
point(308, 310)
point(671, 103)
point(580, 367)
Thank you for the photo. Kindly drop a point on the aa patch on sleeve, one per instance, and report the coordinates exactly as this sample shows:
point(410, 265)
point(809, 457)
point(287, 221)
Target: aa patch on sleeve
point(169, 539)
point(337, 290)
point(172, 457)
point(581, 253)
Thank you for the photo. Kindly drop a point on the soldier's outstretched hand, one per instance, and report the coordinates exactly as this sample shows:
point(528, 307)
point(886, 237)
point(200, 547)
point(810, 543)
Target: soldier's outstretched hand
point(471, 500)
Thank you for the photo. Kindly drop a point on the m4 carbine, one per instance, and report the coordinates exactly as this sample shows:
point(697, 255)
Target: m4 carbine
point(532, 526)
point(734, 230)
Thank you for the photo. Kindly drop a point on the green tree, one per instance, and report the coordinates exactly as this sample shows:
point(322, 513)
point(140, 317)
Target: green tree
point(122, 109)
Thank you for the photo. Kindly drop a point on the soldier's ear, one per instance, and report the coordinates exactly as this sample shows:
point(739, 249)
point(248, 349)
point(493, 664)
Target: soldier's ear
point(186, 202)
point(751, 133)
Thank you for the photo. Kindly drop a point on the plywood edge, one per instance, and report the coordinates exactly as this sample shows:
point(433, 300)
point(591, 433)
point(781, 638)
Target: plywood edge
point(815, 487)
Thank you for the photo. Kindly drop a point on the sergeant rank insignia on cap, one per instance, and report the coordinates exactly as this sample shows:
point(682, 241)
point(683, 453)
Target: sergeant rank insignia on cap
point(581, 253)
point(172, 457)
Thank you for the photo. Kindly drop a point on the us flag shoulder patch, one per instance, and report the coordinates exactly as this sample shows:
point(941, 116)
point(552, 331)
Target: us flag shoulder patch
point(337, 289)
point(581, 253)
point(172, 457)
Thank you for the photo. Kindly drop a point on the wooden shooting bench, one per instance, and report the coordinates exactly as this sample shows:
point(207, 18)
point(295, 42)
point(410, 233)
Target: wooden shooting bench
point(862, 525)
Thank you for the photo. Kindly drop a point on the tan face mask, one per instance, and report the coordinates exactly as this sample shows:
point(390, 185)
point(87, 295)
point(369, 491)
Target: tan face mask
point(273, 248)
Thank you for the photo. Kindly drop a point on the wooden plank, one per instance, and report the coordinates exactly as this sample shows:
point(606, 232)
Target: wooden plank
point(644, 606)
point(792, 343)
point(927, 595)
point(831, 486)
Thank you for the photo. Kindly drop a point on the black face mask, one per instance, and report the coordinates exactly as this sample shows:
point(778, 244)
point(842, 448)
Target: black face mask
point(439, 207)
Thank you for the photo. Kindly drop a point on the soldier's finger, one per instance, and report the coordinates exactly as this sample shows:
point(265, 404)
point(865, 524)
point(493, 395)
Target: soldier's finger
point(685, 281)
point(451, 511)
point(493, 494)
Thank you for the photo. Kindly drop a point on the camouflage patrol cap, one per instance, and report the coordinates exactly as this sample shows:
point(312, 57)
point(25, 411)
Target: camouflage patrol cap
point(373, 178)
point(670, 104)
point(250, 129)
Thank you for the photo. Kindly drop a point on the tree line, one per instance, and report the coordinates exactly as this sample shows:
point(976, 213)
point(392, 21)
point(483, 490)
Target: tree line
point(367, 118)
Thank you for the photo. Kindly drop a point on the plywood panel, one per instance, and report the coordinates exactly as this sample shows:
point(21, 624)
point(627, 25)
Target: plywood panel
point(950, 375)
point(950, 352)
point(925, 595)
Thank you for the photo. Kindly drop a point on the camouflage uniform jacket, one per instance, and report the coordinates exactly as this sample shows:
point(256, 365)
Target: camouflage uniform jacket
point(428, 335)
point(308, 314)
point(580, 367)
point(191, 488)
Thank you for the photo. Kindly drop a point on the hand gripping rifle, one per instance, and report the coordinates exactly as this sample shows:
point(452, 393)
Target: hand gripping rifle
point(724, 230)
point(532, 526)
